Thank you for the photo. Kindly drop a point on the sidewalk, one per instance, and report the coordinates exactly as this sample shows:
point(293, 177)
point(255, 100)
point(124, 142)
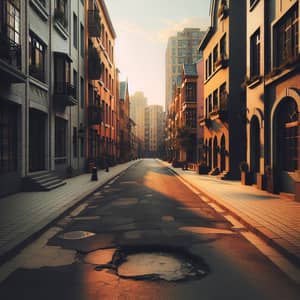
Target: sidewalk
point(24, 214)
point(273, 218)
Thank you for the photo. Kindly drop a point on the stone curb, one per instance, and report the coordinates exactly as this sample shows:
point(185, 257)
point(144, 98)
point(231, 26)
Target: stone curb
point(268, 236)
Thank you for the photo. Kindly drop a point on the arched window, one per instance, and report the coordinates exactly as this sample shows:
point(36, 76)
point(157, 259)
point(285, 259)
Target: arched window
point(288, 130)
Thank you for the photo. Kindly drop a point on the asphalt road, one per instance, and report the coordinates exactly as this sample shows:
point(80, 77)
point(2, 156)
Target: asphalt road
point(146, 209)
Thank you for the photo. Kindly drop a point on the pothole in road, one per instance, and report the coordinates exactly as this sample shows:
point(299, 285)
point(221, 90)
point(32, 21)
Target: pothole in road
point(149, 265)
point(159, 265)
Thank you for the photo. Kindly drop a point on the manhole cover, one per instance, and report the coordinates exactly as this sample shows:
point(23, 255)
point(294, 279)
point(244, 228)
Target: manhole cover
point(159, 265)
point(76, 235)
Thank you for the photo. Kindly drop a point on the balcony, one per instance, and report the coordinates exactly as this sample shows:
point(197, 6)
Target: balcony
point(10, 61)
point(94, 114)
point(94, 64)
point(94, 23)
point(65, 94)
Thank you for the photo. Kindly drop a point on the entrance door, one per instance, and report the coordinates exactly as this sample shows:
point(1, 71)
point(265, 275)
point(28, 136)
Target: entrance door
point(215, 153)
point(223, 153)
point(36, 141)
point(254, 147)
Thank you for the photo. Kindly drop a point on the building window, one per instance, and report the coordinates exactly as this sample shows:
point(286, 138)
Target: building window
point(60, 12)
point(8, 138)
point(223, 47)
point(75, 32)
point(215, 100)
point(190, 118)
point(288, 132)
point(255, 54)
point(190, 92)
point(223, 96)
point(81, 92)
point(75, 79)
point(37, 53)
point(286, 37)
point(12, 9)
point(81, 40)
point(60, 140)
point(75, 142)
point(62, 74)
point(215, 57)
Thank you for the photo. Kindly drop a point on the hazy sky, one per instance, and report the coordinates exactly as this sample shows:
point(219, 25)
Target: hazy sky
point(143, 28)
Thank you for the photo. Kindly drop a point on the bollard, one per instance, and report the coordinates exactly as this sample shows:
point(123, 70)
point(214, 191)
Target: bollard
point(94, 174)
point(107, 169)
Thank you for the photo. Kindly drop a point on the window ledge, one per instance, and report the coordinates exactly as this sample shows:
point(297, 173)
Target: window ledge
point(252, 6)
point(253, 82)
point(39, 84)
point(61, 30)
point(215, 72)
point(274, 76)
point(40, 9)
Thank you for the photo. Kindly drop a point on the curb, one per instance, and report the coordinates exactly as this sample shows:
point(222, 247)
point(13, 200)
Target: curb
point(254, 229)
point(48, 222)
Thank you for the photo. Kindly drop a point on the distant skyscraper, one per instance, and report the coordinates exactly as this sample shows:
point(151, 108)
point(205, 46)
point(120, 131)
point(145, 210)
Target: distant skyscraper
point(154, 129)
point(138, 103)
point(181, 49)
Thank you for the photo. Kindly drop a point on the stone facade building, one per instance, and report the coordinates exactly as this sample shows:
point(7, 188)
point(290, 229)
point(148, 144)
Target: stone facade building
point(100, 88)
point(272, 92)
point(225, 62)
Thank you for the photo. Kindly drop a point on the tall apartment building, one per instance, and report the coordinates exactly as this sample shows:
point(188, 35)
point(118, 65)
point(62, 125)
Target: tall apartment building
point(42, 62)
point(138, 103)
point(272, 94)
point(58, 95)
point(125, 124)
point(225, 63)
point(100, 86)
point(154, 130)
point(181, 49)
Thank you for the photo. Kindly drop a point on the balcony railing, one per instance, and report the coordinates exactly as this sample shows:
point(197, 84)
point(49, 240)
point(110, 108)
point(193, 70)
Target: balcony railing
point(10, 51)
point(65, 93)
point(94, 64)
point(94, 23)
point(94, 114)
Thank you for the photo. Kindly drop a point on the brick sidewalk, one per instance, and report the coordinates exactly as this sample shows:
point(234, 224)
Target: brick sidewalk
point(24, 214)
point(275, 219)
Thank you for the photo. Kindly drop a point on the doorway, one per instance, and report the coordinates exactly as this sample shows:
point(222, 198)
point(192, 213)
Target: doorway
point(36, 140)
